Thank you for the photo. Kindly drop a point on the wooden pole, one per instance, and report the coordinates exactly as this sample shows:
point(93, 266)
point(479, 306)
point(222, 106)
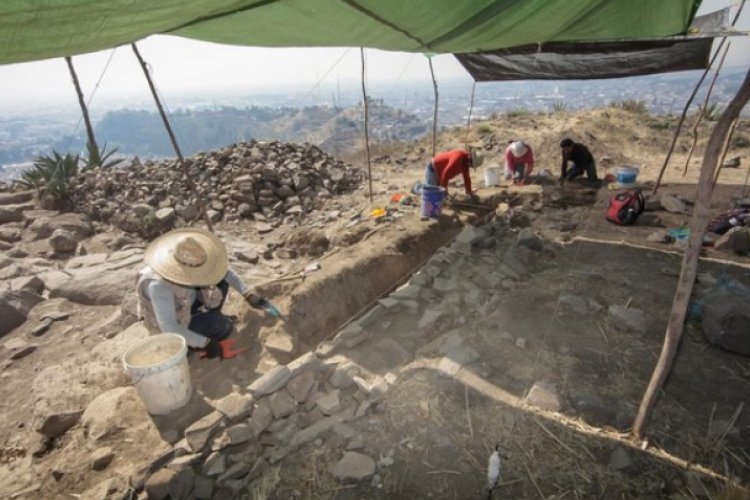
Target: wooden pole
point(185, 170)
point(367, 123)
point(82, 103)
point(744, 185)
point(703, 108)
point(435, 110)
point(471, 108)
point(690, 259)
point(724, 151)
point(690, 101)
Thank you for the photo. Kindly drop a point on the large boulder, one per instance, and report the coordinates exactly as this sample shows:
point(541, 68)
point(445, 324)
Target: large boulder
point(97, 289)
point(43, 227)
point(9, 216)
point(15, 307)
point(14, 198)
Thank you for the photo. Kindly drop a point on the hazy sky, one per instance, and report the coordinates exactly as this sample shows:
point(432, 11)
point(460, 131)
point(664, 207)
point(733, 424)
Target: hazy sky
point(181, 65)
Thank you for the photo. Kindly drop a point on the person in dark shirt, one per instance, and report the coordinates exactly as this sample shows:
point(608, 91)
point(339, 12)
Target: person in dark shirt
point(581, 158)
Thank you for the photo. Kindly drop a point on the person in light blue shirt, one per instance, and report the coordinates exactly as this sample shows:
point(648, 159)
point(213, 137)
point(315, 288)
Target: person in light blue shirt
point(184, 286)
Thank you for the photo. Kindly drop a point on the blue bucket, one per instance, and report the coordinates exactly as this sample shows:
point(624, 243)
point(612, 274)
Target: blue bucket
point(626, 176)
point(432, 201)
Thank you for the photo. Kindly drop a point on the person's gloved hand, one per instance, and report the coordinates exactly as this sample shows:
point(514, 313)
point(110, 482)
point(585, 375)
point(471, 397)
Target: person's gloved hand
point(259, 302)
point(255, 301)
point(472, 198)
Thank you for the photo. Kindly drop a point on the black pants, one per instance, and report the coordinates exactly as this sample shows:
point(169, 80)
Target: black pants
point(578, 170)
point(211, 323)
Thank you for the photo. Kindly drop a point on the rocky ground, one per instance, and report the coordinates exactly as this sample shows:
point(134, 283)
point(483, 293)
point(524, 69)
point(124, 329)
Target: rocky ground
point(405, 354)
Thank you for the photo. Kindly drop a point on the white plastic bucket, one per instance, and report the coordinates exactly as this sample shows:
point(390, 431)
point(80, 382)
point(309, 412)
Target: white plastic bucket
point(627, 175)
point(160, 372)
point(492, 176)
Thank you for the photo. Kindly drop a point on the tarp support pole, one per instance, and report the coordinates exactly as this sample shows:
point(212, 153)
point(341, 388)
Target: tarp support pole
point(471, 108)
point(82, 103)
point(367, 124)
point(435, 110)
point(690, 101)
point(724, 151)
point(185, 171)
point(703, 108)
point(698, 222)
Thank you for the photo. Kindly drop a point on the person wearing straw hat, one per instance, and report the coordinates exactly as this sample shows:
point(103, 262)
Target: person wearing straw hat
point(519, 162)
point(184, 286)
point(449, 164)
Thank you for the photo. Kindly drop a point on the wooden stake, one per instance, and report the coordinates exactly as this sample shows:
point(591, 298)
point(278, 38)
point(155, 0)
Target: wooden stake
point(703, 108)
point(82, 103)
point(367, 130)
point(471, 108)
point(685, 283)
point(724, 151)
point(690, 101)
point(181, 159)
point(435, 110)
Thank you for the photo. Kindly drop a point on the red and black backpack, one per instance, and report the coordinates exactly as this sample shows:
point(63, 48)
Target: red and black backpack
point(625, 207)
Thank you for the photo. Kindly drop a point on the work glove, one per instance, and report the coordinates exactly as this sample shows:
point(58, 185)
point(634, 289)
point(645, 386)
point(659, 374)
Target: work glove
point(255, 301)
point(259, 302)
point(222, 349)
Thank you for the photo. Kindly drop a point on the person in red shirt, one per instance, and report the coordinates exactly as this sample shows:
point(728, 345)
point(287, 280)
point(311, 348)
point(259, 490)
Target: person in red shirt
point(449, 164)
point(519, 162)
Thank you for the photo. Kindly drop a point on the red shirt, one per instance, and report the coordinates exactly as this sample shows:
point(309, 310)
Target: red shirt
point(527, 159)
point(449, 164)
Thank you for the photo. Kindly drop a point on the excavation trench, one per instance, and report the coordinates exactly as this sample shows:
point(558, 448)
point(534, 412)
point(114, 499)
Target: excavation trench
point(352, 280)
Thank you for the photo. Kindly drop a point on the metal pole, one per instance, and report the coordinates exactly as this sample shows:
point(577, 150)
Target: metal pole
point(89, 129)
point(186, 172)
point(367, 130)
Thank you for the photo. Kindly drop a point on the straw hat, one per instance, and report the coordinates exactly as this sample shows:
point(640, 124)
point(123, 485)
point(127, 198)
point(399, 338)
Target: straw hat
point(518, 149)
point(476, 157)
point(191, 257)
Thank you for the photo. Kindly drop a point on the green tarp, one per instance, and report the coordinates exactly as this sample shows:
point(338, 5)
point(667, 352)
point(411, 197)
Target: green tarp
point(41, 29)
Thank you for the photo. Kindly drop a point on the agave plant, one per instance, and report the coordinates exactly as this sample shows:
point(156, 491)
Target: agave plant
point(51, 175)
point(713, 111)
point(100, 158)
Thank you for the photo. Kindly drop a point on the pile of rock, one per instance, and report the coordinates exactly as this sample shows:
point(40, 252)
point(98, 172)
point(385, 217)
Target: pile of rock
point(261, 180)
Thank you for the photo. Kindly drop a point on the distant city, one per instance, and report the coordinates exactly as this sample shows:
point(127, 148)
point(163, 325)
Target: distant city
point(23, 137)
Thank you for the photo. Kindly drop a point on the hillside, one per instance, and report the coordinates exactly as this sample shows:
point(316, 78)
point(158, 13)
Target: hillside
point(407, 348)
point(335, 129)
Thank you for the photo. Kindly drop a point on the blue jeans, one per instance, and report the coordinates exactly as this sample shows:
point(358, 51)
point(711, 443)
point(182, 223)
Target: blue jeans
point(519, 170)
point(430, 177)
point(578, 170)
point(211, 323)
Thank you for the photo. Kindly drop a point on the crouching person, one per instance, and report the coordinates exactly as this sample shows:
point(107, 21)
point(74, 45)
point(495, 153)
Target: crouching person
point(183, 287)
point(519, 162)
